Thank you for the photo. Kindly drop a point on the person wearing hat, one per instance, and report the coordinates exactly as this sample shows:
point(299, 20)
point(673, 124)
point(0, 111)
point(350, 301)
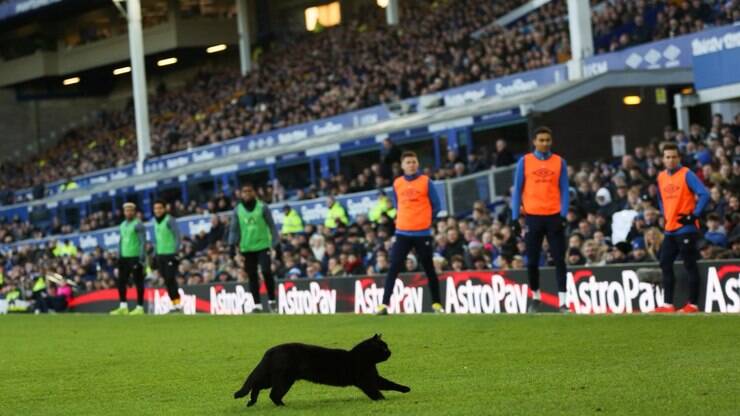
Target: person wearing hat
point(541, 193)
point(131, 256)
point(682, 198)
point(292, 222)
point(575, 258)
point(253, 232)
point(638, 253)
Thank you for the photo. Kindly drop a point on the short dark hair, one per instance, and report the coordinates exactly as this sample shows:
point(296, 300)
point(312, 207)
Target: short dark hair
point(161, 202)
point(248, 185)
point(670, 146)
point(541, 130)
point(408, 153)
point(713, 217)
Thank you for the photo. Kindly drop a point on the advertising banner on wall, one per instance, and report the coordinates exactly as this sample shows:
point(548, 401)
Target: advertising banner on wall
point(596, 290)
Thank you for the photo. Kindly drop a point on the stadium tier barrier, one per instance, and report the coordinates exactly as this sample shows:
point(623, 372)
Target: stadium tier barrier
point(614, 289)
point(489, 185)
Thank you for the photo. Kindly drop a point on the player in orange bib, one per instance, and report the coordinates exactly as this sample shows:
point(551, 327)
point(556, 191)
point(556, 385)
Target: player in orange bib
point(682, 198)
point(417, 203)
point(541, 193)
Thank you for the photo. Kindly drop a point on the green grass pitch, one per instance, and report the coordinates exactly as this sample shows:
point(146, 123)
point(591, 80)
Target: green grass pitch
point(455, 365)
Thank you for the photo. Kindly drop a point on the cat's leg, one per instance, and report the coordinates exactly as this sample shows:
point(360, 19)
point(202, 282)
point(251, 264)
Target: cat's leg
point(262, 381)
point(385, 384)
point(371, 391)
point(253, 397)
point(280, 386)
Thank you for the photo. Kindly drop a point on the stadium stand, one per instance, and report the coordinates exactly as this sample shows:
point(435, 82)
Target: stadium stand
point(379, 65)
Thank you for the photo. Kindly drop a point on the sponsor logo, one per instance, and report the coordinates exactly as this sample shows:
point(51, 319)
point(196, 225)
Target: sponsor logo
point(98, 179)
point(403, 300)
point(495, 297)
point(315, 300)
point(670, 191)
point(88, 241)
point(239, 302)
point(633, 61)
point(111, 239)
point(517, 86)
point(362, 206)
point(313, 212)
point(727, 296)
point(714, 44)
point(154, 167)
point(543, 173)
point(671, 54)
point(327, 128)
point(233, 149)
point(652, 58)
point(163, 304)
point(453, 100)
point(203, 156)
point(177, 162)
point(292, 136)
point(365, 120)
point(195, 227)
point(118, 175)
point(595, 68)
point(587, 295)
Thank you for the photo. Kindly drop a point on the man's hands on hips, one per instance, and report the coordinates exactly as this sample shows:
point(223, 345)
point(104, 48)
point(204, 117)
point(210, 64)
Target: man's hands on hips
point(688, 219)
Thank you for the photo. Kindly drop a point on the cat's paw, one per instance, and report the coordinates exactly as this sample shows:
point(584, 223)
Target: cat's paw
point(404, 389)
point(251, 403)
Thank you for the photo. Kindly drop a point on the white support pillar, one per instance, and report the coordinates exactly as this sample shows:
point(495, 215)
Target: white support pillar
point(138, 79)
point(245, 51)
point(391, 13)
point(681, 104)
point(581, 38)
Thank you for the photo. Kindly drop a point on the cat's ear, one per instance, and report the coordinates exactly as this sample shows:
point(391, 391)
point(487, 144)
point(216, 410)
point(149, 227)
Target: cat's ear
point(377, 336)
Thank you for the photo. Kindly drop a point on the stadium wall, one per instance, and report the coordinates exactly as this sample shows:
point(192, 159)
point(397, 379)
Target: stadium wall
point(616, 289)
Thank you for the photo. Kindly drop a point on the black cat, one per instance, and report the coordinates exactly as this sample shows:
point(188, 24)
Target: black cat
point(282, 365)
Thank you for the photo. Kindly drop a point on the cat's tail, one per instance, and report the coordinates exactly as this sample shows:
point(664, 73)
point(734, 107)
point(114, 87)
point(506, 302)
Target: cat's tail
point(249, 383)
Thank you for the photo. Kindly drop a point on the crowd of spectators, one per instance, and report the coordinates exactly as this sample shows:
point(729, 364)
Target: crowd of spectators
point(358, 64)
point(613, 218)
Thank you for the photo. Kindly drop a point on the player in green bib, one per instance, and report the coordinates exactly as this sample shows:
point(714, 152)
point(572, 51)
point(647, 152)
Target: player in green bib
point(166, 246)
point(131, 255)
point(252, 231)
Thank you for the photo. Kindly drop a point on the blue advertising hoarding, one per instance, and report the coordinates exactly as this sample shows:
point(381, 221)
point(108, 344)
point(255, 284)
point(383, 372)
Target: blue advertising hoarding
point(716, 59)
point(312, 211)
point(13, 8)
point(664, 54)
